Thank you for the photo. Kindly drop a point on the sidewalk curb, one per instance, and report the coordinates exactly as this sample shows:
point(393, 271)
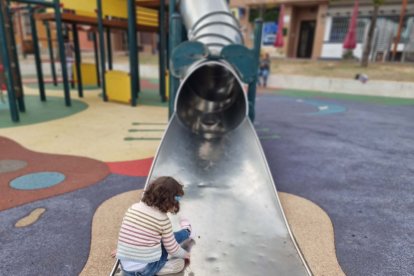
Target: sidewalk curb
point(338, 85)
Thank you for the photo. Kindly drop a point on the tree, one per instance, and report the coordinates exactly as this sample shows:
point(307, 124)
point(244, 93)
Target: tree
point(368, 45)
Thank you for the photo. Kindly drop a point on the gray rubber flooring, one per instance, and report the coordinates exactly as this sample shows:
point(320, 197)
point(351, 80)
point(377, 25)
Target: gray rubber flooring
point(57, 244)
point(355, 160)
point(358, 165)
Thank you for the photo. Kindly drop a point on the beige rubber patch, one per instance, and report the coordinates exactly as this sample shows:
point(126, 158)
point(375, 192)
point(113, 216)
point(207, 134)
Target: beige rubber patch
point(102, 131)
point(310, 225)
point(30, 218)
point(313, 231)
point(105, 227)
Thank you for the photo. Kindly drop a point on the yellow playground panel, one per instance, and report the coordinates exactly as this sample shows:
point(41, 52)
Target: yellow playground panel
point(112, 8)
point(118, 86)
point(89, 74)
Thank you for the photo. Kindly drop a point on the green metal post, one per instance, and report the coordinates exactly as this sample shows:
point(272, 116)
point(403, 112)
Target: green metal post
point(39, 69)
point(4, 26)
point(78, 59)
point(95, 49)
point(51, 55)
point(61, 44)
point(175, 39)
point(251, 94)
point(171, 78)
point(171, 11)
point(162, 50)
point(109, 48)
point(133, 53)
point(18, 84)
point(102, 48)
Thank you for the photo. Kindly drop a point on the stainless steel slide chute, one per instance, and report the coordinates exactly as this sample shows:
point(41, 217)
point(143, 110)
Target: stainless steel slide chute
point(230, 197)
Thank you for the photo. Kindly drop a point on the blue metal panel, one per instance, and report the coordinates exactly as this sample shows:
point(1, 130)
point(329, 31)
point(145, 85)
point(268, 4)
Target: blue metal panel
point(186, 54)
point(243, 59)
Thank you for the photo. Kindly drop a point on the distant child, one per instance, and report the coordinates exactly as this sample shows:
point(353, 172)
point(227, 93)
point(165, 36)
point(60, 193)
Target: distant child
point(69, 50)
point(1, 94)
point(264, 69)
point(146, 236)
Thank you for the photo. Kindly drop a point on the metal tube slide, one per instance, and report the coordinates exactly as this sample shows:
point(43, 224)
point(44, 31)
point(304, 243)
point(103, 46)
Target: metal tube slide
point(210, 22)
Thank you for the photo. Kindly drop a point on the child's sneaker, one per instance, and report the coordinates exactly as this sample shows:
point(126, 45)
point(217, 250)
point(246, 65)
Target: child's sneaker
point(185, 224)
point(172, 266)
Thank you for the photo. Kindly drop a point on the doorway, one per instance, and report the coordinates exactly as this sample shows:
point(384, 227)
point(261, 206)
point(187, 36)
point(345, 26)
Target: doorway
point(306, 36)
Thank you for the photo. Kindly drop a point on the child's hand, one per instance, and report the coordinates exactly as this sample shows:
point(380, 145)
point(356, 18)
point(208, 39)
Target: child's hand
point(187, 255)
point(113, 253)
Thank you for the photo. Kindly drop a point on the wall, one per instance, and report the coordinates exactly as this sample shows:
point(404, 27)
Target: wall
point(346, 86)
point(334, 50)
point(84, 42)
point(320, 31)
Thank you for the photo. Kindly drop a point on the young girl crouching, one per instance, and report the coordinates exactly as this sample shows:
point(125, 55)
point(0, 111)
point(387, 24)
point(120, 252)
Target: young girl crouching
point(146, 236)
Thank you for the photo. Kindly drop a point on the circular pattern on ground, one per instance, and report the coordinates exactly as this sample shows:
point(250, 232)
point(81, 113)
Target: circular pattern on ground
point(11, 165)
point(37, 180)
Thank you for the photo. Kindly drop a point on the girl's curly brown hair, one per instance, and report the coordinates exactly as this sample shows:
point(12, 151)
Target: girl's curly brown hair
point(161, 194)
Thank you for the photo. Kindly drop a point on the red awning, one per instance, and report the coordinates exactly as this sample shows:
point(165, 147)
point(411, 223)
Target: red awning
point(279, 36)
point(350, 38)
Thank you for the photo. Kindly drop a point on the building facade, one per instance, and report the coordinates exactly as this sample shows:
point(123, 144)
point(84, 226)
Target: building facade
point(337, 23)
point(316, 28)
point(304, 24)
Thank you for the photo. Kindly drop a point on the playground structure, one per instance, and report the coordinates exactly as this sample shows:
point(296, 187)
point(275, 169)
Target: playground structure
point(101, 16)
point(211, 145)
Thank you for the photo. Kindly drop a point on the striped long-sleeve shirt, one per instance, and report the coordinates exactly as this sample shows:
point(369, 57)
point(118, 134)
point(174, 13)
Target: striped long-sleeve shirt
point(142, 230)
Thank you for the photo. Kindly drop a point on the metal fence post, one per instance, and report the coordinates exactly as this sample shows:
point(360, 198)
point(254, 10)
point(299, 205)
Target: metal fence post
point(133, 53)
point(62, 52)
point(78, 59)
point(251, 95)
point(38, 61)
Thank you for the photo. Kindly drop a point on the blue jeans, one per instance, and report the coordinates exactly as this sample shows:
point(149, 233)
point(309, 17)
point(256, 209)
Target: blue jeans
point(265, 75)
point(152, 268)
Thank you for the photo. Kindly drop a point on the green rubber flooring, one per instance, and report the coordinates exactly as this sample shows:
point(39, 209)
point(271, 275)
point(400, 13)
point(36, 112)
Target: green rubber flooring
point(339, 96)
point(38, 111)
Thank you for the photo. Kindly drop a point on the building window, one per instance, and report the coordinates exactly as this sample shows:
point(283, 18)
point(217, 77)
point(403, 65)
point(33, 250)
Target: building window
point(407, 29)
point(90, 36)
point(340, 28)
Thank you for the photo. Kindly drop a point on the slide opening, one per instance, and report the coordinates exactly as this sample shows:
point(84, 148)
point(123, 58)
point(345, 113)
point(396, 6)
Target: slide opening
point(211, 100)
